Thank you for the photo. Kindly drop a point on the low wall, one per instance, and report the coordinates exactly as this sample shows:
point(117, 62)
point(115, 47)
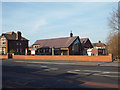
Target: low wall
point(3, 56)
point(79, 58)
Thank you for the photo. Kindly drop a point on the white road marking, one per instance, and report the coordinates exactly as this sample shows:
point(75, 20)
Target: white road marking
point(72, 72)
point(89, 71)
point(106, 75)
point(77, 70)
point(110, 72)
point(98, 73)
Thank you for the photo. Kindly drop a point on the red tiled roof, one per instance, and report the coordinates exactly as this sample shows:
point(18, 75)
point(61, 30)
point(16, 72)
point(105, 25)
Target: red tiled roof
point(98, 44)
point(56, 42)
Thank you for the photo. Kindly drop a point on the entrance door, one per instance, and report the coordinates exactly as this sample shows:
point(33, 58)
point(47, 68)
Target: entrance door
point(3, 50)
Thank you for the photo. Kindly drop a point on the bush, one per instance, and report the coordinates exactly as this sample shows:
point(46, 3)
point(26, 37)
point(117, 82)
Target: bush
point(12, 51)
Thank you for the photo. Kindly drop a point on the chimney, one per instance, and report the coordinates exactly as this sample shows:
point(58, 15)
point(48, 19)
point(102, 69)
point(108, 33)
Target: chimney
point(71, 34)
point(14, 34)
point(99, 41)
point(19, 35)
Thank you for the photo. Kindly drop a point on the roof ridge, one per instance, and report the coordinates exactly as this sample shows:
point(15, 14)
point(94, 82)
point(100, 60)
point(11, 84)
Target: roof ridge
point(56, 38)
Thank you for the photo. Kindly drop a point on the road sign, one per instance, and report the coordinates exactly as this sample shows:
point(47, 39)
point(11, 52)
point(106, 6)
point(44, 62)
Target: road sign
point(25, 51)
point(32, 52)
point(89, 52)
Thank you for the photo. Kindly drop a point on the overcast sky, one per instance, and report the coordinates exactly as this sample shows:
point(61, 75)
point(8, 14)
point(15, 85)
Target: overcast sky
point(43, 20)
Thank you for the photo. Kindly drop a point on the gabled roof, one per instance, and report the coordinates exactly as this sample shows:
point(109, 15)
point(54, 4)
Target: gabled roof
point(83, 40)
point(10, 36)
point(86, 43)
point(56, 42)
point(99, 44)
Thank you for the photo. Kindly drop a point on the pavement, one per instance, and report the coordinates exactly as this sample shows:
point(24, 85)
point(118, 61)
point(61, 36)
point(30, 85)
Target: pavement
point(94, 63)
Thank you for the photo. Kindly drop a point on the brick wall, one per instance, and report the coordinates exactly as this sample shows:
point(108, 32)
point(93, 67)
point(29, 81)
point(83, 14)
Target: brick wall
point(78, 58)
point(3, 56)
point(95, 51)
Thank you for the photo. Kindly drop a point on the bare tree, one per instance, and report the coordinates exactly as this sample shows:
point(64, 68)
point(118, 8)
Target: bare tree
point(113, 40)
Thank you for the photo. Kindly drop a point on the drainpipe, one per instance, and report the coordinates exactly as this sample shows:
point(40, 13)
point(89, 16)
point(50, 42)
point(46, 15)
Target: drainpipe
point(52, 51)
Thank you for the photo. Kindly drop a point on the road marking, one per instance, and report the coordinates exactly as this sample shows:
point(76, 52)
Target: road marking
point(110, 72)
point(77, 70)
point(106, 75)
point(97, 73)
point(72, 72)
point(94, 71)
point(51, 69)
point(90, 71)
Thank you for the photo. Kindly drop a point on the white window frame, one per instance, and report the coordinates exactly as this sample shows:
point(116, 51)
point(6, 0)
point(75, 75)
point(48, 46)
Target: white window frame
point(17, 50)
point(17, 43)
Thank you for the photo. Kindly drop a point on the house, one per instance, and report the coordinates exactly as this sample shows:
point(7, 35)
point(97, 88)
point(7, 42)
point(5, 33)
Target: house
point(59, 46)
point(86, 44)
point(13, 41)
point(99, 48)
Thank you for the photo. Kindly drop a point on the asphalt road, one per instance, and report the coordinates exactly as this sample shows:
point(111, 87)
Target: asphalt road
point(20, 74)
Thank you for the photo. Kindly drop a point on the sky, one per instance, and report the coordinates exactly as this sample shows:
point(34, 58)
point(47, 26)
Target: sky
point(44, 20)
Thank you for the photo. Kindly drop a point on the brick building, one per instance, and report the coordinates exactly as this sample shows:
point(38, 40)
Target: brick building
point(59, 46)
point(99, 48)
point(12, 40)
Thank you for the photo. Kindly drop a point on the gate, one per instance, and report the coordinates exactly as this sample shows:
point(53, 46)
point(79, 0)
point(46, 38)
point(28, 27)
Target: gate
point(10, 56)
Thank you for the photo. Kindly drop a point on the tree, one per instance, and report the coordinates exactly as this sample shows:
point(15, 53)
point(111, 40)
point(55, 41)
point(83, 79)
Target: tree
point(113, 40)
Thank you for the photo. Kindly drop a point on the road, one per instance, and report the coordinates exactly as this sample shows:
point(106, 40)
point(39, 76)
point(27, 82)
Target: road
point(44, 74)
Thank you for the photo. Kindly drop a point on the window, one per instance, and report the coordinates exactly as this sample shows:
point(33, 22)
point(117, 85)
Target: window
point(73, 48)
point(17, 44)
point(21, 50)
point(4, 43)
point(103, 51)
point(20, 44)
point(76, 41)
point(43, 50)
point(49, 50)
point(17, 50)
